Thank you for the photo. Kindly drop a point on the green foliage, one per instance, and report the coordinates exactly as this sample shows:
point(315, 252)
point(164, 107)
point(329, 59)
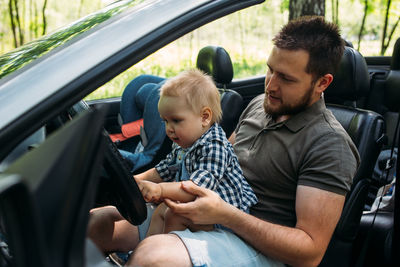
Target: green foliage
point(246, 35)
point(284, 5)
point(23, 55)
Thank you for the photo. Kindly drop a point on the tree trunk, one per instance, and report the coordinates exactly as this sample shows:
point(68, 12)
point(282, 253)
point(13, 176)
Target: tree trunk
point(390, 36)
point(298, 8)
point(385, 25)
point(20, 29)
point(36, 23)
point(12, 22)
point(44, 17)
point(335, 11)
point(360, 33)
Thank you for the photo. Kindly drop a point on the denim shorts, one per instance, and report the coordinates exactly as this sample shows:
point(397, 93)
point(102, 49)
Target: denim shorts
point(221, 248)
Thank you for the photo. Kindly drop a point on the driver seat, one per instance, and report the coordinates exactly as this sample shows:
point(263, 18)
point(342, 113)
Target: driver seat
point(367, 130)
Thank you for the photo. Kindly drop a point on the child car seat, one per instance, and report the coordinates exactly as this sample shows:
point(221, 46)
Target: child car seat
point(142, 130)
point(142, 141)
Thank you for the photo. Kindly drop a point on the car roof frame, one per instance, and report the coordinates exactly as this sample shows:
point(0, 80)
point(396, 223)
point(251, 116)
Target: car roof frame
point(13, 130)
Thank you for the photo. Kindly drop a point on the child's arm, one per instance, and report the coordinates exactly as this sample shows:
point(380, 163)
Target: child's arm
point(156, 192)
point(149, 175)
point(174, 191)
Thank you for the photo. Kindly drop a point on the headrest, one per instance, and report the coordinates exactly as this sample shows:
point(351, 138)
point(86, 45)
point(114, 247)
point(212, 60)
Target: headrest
point(348, 43)
point(392, 92)
point(215, 61)
point(351, 81)
point(395, 64)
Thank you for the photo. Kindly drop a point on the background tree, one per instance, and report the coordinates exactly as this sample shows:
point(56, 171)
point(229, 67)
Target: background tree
point(44, 17)
point(360, 33)
point(386, 38)
point(298, 8)
point(335, 11)
point(15, 23)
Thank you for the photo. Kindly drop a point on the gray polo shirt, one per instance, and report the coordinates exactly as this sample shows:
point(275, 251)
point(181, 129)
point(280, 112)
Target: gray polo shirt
point(311, 148)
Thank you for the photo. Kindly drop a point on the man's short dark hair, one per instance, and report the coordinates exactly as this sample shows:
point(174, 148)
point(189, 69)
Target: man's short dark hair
point(321, 39)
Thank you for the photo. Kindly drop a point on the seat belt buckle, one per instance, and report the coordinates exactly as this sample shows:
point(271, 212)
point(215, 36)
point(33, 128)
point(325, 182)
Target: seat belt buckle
point(389, 164)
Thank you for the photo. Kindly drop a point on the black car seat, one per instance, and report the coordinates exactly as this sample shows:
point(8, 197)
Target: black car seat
point(352, 73)
point(215, 61)
point(366, 128)
point(375, 237)
point(390, 108)
point(383, 99)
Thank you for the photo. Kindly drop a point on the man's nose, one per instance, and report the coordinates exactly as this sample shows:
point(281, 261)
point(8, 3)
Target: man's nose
point(270, 83)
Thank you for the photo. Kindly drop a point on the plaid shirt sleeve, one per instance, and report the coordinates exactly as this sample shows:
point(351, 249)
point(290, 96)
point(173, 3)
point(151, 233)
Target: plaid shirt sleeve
point(213, 165)
point(210, 165)
point(163, 167)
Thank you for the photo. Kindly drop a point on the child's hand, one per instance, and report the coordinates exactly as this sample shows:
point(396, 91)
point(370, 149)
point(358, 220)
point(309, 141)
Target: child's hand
point(151, 191)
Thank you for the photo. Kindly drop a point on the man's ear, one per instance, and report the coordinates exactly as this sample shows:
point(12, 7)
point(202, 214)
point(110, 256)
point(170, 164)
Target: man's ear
point(206, 116)
point(323, 83)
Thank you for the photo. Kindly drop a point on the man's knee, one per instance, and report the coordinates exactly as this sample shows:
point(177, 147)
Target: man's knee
point(160, 250)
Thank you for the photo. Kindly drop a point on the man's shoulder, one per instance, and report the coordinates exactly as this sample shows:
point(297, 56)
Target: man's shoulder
point(332, 124)
point(327, 129)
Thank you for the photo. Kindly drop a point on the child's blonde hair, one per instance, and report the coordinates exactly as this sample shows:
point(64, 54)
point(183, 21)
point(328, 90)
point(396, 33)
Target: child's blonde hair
point(198, 89)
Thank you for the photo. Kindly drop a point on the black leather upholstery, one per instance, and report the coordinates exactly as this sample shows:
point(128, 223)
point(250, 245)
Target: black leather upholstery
point(376, 230)
point(395, 64)
point(352, 73)
point(215, 61)
point(379, 248)
point(366, 129)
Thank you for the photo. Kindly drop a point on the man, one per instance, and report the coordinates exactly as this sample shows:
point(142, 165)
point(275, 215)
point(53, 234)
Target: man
point(294, 154)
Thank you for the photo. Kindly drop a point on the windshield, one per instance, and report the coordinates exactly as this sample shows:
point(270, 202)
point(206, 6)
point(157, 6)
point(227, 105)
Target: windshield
point(18, 58)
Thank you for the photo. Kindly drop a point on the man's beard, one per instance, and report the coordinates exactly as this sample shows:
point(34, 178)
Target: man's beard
point(290, 109)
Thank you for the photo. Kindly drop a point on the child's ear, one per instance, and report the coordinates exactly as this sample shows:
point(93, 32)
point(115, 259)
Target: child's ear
point(206, 116)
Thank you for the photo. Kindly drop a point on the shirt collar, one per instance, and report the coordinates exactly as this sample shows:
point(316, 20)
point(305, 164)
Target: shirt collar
point(298, 121)
point(214, 133)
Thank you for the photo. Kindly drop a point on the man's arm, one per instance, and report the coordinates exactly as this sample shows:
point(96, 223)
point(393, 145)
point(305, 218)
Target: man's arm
point(317, 211)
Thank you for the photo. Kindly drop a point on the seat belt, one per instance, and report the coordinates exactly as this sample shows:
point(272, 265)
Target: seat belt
point(395, 257)
point(389, 165)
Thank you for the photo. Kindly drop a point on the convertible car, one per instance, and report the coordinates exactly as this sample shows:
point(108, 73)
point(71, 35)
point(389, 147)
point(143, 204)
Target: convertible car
point(57, 160)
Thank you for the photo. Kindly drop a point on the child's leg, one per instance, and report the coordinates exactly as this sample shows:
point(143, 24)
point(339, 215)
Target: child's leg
point(157, 220)
point(173, 222)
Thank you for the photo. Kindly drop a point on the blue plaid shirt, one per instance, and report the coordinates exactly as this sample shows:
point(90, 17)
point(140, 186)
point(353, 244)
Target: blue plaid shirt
point(211, 163)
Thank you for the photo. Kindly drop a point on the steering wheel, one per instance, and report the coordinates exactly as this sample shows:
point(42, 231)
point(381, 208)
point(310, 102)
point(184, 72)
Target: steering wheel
point(125, 191)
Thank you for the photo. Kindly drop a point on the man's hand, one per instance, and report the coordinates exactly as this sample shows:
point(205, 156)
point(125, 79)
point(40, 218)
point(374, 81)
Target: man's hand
point(207, 208)
point(151, 192)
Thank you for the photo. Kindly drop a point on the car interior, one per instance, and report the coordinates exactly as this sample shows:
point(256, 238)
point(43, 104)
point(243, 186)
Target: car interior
point(352, 98)
point(364, 97)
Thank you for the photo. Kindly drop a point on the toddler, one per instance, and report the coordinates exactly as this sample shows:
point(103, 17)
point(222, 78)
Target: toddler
point(190, 106)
